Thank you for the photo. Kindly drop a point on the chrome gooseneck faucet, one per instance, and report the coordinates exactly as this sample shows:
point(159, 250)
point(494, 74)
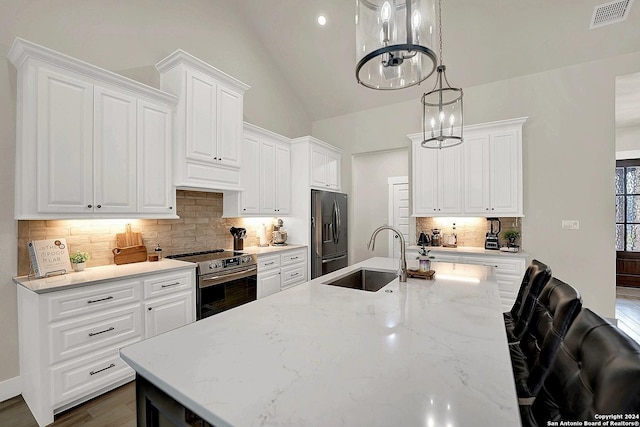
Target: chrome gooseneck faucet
point(402, 272)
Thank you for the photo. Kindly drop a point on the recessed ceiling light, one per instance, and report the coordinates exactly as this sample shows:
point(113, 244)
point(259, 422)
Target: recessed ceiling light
point(322, 20)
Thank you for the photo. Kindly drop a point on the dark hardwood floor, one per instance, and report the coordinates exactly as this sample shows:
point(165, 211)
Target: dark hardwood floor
point(118, 407)
point(114, 409)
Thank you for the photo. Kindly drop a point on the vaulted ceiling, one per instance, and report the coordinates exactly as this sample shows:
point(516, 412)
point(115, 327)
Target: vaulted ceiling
point(484, 41)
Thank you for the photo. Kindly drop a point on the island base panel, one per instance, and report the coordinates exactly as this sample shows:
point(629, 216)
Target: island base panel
point(155, 408)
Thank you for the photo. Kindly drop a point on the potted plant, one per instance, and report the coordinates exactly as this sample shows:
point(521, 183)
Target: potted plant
point(79, 260)
point(511, 236)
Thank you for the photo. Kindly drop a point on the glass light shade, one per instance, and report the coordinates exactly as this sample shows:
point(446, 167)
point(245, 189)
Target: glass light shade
point(442, 114)
point(394, 42)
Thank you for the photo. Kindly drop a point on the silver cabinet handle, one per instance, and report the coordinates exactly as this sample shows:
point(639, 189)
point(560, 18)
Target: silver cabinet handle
point(103, 369)
point(172, 284)
point(91, 301)
point(92, 334)
point(269, 263)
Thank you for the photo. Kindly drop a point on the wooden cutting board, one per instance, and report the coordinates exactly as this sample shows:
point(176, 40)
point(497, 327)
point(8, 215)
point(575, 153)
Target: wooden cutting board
point(128, 238)
point(130, 254)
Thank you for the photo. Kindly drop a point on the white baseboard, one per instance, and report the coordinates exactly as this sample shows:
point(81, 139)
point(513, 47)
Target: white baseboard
point(10, 388)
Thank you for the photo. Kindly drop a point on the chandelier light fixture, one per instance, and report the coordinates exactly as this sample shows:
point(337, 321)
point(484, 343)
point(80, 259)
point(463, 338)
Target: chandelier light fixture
point(394, 43)
point(442, 114)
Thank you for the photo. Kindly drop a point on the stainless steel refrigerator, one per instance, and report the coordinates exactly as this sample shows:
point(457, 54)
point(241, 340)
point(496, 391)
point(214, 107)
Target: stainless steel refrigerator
point(328, 232)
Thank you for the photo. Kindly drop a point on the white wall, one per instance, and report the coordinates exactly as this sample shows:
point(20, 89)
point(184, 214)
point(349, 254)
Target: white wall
point(369, 201)
point(130, 37)
point(569, 159)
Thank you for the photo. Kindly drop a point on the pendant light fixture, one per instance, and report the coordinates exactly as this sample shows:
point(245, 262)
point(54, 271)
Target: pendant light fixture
point(394, 42)
point(442, 114)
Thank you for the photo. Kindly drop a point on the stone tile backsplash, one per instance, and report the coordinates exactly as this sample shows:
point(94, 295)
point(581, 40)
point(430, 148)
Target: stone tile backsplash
point(470, 231)
point(200, 227)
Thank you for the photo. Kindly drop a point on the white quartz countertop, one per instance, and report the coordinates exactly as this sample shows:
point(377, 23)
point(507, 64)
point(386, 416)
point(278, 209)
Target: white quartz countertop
point(95, 275)
point(260, 250)
point(421, 353)
point(470, 250)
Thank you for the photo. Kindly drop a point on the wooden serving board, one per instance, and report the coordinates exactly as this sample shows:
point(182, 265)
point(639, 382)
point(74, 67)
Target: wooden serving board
point(420, 275)
point(128, 238)
point(130, 254)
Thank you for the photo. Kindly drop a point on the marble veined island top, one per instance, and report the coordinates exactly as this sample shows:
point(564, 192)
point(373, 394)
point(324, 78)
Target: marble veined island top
point(421, 353)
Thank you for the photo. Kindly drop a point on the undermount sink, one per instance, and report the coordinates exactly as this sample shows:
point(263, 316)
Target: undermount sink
point(363, 279)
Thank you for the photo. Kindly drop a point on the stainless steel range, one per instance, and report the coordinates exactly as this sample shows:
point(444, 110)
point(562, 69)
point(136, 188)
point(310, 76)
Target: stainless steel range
point(224, 279)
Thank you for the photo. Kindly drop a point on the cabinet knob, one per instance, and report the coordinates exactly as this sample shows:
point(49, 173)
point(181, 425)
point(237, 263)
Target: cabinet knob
point(99, 206)
point(149, 308)
point(170, 207)
point(89, 206)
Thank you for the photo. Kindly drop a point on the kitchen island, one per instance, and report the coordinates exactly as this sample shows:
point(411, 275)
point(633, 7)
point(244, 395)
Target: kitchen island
point(421, 353)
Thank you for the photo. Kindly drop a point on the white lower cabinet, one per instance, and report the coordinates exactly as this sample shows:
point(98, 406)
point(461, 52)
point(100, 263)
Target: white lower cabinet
point(509, 273)
point(277, 272)
point(167, 313)
point(70, 339)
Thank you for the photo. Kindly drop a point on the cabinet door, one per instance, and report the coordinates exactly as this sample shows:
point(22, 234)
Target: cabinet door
point(283, 179)
point(268, 178)
point(250, 175)
point(114, 152)
point(268, 283)
point(505, 173)
point(155, 184)
point(201, 131)
point(318, 168)
point(333, 171)
point(164, 314)
point(425, 180)
point(476, 193)
point(64, 144)
point(229, 126)
point(450, 180)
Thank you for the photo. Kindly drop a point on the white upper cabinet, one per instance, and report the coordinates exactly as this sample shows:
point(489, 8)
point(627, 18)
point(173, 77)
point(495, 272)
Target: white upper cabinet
point(156, 193)
point(325, 168)
point(81, 140)
point(323, 161)
point(480, 177)
point(437, 180)
point(60, 151)
point(265, 175)
point(493, 169)
point(208, 124)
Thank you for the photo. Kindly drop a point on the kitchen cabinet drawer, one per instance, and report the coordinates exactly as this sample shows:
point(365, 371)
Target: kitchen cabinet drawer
point(268, 262)
point(293, 257)
point(167, 284)
point(91, 299)
point(80, 336)
point(294, 275)
point(87, 375)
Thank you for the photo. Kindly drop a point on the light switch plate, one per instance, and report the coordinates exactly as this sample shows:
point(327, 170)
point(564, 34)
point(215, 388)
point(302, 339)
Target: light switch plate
point(570, 224)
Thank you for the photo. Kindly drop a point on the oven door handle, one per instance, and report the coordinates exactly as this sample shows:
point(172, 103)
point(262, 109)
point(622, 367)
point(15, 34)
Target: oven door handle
point(206, 281)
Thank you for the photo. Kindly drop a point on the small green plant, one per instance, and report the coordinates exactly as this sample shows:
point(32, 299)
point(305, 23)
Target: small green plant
point(511, 234)
point(79, 257)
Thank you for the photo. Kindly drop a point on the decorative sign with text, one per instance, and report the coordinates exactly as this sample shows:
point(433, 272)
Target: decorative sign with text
point(49, 257)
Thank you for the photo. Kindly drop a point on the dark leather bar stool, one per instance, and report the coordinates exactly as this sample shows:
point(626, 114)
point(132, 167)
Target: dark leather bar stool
point(516, 320)
point(596, 371)
point(556, 308)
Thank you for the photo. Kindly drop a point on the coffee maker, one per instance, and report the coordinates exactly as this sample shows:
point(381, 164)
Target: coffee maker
point(491, 239)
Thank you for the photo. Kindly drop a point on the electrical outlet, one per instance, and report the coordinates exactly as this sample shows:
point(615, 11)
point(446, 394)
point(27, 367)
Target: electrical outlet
point(570, 224)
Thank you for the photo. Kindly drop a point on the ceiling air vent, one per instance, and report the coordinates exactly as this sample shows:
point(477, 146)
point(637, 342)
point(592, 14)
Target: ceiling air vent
point(610, 13)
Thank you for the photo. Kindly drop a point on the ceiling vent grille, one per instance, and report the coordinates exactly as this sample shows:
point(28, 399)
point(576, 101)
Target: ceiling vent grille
point(610, 13)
